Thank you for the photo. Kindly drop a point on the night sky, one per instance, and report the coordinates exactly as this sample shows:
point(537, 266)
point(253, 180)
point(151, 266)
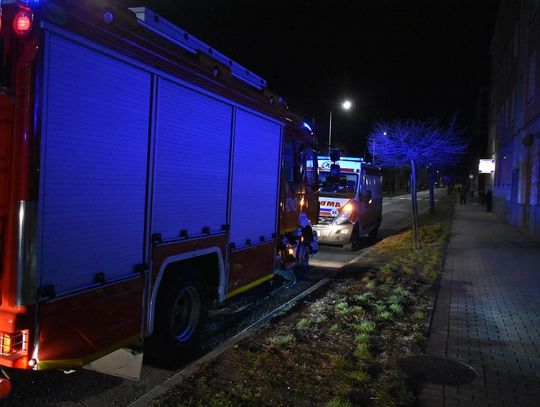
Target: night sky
point(392, 58)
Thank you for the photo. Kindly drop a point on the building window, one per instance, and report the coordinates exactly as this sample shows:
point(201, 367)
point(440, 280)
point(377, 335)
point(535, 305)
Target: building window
point(531, 77)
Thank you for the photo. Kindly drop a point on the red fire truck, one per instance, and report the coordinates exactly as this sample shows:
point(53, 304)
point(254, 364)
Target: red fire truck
point(143, 176)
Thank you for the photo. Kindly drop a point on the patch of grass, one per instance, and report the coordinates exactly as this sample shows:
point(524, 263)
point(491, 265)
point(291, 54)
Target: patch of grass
point(419, 316)
point(310, 320)
point(362, 352)
point(371, 284)
point(221, 399)
point(360, 376)
point(384, 399)
point(282, 340)
point(394, 299)
point(365, 327)
point(395, 392)
point(343, 309)
point(338, 402)
point(340, 365)
point(364, 298)
point(319, 319)
point(396, 309)
point(379, 305)
point(402, 292)
point(303, 324)
point(362, 338)
point(385, 316)
point(419, 337)
point(404, 394)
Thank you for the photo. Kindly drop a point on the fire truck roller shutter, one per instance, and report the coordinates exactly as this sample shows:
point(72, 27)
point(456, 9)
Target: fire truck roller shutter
point(94, 164)
point(192, 162)
point(257, 141)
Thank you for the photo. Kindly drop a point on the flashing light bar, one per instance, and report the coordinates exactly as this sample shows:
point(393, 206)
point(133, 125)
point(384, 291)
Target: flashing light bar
point(351, 159)
point(29, 3)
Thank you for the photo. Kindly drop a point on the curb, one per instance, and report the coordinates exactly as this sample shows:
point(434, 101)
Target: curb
point(435, 295)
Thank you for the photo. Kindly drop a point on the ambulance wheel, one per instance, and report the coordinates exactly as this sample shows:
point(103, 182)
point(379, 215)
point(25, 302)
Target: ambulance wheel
point(373, 234)
point(302, 261)
point(181, 313)
point(354, 243)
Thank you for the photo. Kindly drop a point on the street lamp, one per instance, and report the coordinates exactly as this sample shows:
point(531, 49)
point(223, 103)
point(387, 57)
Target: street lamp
point(346, 105)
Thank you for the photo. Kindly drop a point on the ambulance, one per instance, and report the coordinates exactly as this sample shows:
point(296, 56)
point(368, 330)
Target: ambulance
point(350, 200)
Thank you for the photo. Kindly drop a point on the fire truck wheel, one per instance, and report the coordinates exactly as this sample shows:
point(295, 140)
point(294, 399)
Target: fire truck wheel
point(302, 261)
point(354, 243)
point(181, 314)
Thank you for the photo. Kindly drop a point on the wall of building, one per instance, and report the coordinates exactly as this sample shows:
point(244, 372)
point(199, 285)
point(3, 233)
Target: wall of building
point(514, 128)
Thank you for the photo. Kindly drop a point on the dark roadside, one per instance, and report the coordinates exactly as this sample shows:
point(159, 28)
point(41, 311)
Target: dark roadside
point(341, 346)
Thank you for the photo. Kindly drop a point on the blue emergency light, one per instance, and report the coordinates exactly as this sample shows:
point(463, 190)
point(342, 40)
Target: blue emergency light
point(29, 3)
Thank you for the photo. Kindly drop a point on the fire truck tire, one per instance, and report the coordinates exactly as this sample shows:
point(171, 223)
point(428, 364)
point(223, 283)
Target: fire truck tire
point(354, 243)
point(181, 313)
point(302, 261)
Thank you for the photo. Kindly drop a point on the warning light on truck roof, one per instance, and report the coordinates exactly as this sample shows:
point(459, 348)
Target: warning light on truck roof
point(29, 3)
point(307, 126)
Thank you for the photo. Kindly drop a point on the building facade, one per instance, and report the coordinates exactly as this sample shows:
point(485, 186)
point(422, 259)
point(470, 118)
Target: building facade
point(514, 126)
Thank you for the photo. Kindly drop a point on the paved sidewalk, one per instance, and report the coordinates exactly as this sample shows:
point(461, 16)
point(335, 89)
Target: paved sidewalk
point(488, 314)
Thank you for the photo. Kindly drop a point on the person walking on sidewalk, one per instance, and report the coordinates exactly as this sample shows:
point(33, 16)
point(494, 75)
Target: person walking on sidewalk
point(489, 200)
point(462, 196)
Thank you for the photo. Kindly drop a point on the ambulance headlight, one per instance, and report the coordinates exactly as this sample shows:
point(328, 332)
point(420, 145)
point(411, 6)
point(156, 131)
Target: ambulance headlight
point(341, 219)
point(344, 214)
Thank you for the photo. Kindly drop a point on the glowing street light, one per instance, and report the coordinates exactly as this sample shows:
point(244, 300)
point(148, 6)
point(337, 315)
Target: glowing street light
point(345, 105)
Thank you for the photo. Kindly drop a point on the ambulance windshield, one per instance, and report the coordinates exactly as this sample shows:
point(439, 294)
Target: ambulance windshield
point(344, 187)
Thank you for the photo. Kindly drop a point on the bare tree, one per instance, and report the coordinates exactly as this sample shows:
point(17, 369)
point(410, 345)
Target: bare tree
point(413, 144)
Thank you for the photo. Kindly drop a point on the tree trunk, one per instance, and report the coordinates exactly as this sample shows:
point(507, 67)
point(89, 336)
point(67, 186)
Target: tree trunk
point(416, 234)
point(431, 191)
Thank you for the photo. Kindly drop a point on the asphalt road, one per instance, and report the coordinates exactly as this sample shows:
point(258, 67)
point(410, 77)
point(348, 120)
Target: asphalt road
point(86, 388)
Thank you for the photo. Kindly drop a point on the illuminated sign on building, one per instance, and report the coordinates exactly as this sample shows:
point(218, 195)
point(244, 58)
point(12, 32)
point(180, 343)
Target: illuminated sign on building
point(486, 166)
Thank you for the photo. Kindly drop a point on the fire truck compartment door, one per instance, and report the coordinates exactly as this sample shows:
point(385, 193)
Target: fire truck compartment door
point(193, 139)
point(94, 164)
point(257, 142)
